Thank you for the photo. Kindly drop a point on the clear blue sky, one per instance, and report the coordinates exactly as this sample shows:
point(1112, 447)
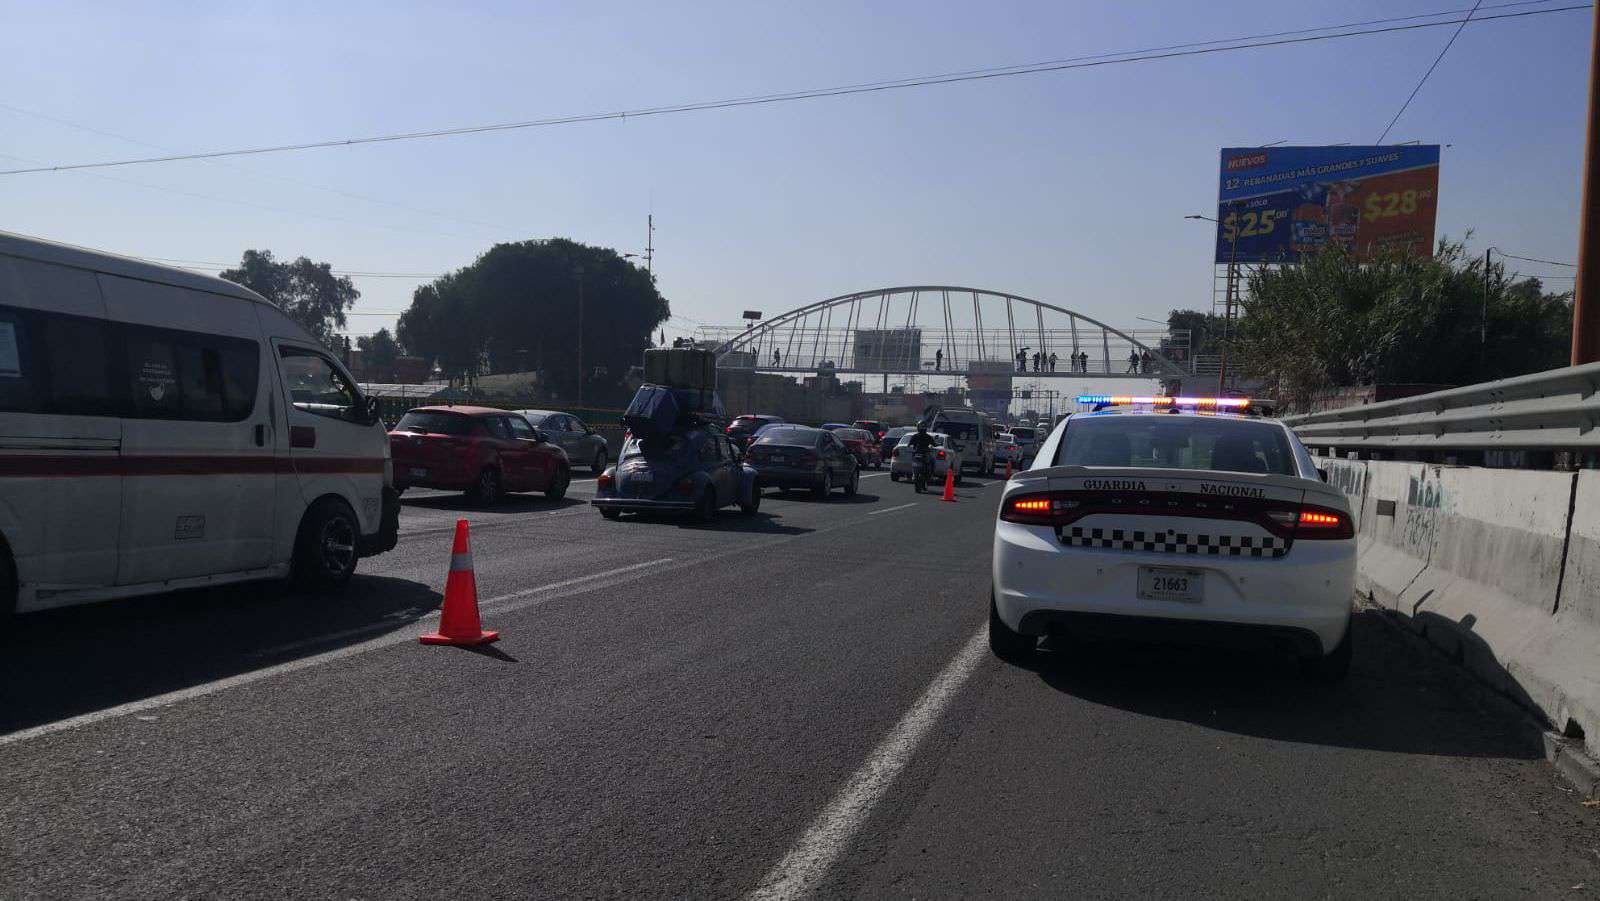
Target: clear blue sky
point(1068, 187)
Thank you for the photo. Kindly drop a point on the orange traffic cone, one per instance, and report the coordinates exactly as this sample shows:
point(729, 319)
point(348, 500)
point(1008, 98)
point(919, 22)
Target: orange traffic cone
point(949, 485)
point(1008, 469)
point(458, 624)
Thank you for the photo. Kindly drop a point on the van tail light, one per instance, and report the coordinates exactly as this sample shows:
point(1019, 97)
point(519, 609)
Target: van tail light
point(939, 455)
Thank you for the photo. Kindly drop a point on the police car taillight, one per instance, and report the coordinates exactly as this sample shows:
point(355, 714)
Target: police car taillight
point(1320, 522)
point(1036, 509)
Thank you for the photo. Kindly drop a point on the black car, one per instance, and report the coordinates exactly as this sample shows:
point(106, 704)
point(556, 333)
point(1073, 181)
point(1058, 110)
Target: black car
point(797, 456)
point(743, 428)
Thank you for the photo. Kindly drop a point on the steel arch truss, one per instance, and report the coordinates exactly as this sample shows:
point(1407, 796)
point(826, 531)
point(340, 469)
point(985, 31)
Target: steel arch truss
point(947, 329)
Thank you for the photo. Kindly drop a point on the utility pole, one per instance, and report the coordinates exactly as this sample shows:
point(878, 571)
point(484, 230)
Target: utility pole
point(650, 245)
point(579, 273)
point(1586, 294)
point(1483, 320)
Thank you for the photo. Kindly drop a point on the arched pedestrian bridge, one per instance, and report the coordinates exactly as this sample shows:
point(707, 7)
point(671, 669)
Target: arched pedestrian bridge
point(948, 330)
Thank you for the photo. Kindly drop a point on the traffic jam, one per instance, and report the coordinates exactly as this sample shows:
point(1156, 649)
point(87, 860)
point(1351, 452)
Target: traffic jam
point(223, 444)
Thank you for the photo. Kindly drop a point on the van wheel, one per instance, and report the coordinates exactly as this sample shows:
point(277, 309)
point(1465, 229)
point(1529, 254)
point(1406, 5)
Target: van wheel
point(486, 490)
point(822, 491)
point(8, 592)
point(325, 548)
point(558, 486)
point(853, 485)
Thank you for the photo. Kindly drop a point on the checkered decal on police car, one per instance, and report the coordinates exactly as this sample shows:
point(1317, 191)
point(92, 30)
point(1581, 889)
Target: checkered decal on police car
point(1174, 542)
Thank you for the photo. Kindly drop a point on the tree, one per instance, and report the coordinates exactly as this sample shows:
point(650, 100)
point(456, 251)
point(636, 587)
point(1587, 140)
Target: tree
point(378, 353)
point(379, 348)
point(307, 292)
point(1334, 320)
point(516, 308)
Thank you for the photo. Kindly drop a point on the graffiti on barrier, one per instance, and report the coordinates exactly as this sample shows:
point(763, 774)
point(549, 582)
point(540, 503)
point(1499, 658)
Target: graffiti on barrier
point(1423, 497)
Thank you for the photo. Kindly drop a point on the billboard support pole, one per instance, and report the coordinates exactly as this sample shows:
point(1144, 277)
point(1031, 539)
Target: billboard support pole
point(1585, 303)
point(1229, 299)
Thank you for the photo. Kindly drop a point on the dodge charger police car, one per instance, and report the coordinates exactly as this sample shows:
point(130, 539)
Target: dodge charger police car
point(1175, 521)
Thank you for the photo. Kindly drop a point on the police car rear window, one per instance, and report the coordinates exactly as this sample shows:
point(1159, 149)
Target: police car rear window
point(1176, 442)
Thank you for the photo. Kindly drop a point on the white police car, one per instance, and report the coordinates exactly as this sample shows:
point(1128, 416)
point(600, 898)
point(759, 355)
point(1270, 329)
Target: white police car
point(1175, 518)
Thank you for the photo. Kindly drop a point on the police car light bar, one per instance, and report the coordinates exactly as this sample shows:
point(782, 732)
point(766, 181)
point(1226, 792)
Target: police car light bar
point(1232, 403)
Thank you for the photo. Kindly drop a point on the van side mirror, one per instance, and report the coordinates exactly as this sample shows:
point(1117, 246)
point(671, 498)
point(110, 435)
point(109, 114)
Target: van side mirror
point(372, 412)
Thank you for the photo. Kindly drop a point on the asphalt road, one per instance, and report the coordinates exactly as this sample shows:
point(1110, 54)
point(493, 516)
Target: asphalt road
point(793, 703)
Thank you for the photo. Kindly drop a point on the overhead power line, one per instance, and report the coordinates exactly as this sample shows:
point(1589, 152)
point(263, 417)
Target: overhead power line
point(1424, 80)
point(1175, 51)
point(1535, 259)
point(251, 173)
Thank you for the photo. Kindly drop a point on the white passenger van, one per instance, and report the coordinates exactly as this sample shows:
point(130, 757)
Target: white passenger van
point(161, 429)
point(971, 434)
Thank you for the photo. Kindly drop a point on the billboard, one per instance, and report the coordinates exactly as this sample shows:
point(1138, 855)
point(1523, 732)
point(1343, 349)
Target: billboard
point(989, 384)
point(888, 349)
point(1277, 203)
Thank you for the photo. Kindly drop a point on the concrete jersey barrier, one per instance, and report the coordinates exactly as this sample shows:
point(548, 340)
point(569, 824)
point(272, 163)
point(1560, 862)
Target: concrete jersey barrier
point(1500, 568)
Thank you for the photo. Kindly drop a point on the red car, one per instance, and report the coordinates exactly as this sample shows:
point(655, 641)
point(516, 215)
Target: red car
point(481, 451)
point(872, 425)
point(864, 445)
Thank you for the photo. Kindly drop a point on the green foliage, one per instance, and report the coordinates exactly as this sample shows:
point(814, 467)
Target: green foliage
point(378, 349)
point(1335, 321)
point(309, 293)
point(516, 309)
point(1205, 330)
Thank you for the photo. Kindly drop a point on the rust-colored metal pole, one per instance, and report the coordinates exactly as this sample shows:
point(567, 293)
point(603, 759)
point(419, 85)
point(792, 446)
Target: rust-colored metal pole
point(1586, 295)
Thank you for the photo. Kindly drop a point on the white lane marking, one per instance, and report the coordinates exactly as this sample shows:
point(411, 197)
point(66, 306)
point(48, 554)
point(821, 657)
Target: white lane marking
point(892, 509)
point(499, 604)
point(401, 637)
point(831, 833)
point(874, 475)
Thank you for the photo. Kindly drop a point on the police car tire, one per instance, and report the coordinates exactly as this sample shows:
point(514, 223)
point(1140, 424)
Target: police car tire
point(1006, 644)
point(308, 568)
point(1335, 666)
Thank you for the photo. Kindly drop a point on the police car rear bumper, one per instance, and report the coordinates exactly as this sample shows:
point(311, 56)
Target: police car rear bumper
point(1039, 584)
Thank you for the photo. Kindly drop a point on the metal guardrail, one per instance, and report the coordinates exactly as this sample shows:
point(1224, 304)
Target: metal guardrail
point(1555, 410)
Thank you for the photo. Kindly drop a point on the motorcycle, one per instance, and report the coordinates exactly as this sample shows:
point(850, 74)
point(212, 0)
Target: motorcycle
point(921, 463)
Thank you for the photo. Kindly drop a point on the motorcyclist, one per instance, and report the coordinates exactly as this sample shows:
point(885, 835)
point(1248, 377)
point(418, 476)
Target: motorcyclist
point(920, 443)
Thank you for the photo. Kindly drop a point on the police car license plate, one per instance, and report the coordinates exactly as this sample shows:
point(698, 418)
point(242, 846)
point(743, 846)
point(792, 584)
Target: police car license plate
point(1161, 583)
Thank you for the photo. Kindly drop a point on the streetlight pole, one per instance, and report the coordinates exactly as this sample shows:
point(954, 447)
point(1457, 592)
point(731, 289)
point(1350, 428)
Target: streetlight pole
point(1230, 296)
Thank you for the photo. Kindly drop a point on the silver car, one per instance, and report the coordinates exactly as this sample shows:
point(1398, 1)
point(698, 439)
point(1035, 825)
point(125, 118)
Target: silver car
point(584, 446)
point(944, 453)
